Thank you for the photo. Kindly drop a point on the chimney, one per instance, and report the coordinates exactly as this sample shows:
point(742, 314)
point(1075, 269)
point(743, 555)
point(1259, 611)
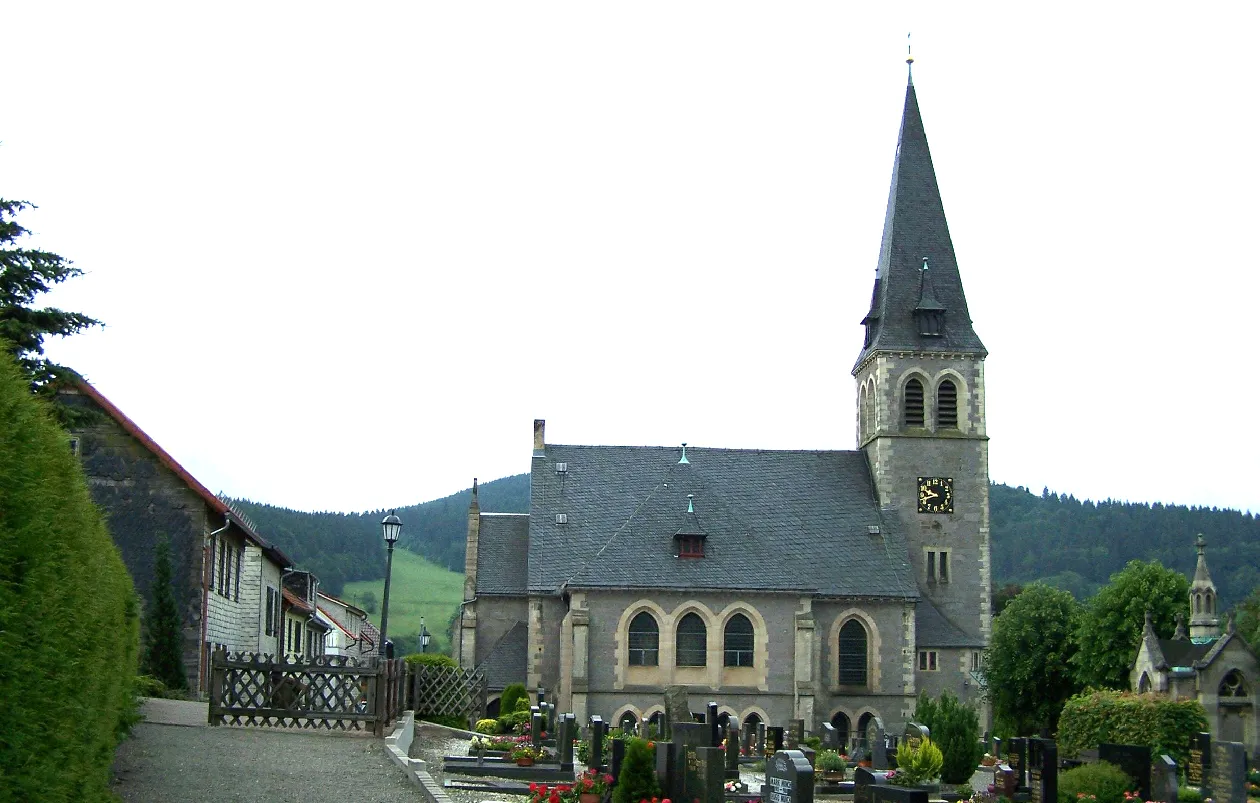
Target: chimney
point(540, 443)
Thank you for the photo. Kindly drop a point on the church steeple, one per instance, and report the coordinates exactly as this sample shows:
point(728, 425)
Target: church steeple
point(1205, 625)
point(912, 310)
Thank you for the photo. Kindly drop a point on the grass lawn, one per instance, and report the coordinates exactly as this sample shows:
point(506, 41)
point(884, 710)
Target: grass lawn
point(418, 588)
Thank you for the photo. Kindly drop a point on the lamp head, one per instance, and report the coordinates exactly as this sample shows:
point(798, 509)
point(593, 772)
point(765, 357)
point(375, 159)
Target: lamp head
point(392, 528)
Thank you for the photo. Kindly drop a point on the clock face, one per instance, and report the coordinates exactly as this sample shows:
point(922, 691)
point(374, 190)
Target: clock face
point(936, 494)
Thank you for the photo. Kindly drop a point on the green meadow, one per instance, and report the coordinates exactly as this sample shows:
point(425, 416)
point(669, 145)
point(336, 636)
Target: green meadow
point(418, 589)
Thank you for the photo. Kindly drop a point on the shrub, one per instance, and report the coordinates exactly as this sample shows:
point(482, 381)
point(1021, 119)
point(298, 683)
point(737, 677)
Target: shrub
point(829, 761)
point(813, 742)
point(487, 726)
point(955, 729)
point(1106, 782)
point(430, 659)
point(1188, 794)
point(513, 692)
point(163, 630)
point(1094, 717)
point(448, 720)
point(69, 618)
point(508, 722)
point(637, 780)
point(918, 764)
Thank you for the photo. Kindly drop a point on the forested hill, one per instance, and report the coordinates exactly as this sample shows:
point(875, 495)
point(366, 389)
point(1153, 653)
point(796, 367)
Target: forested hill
point(1072, 544)
point(342, 547)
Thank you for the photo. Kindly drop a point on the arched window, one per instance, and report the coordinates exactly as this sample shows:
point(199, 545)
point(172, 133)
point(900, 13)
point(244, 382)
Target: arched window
point(913, 403)
point(852, 654)
point(1233, 685)
point(628, 723)
point(946, 405)
point(841, 723)
point(644, 640)
point(655, 724)
point(1144, 683)
point(1208, 605)
point(737, 642)
point(751, 722)
point(1198, 603)
point(863, 728)
point(690, 648)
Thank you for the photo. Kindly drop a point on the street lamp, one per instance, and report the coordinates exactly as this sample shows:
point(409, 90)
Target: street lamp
point(424, 636)
point(392, 528)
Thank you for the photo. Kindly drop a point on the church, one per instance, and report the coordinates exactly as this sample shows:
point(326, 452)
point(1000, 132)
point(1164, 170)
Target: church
point(828, 586)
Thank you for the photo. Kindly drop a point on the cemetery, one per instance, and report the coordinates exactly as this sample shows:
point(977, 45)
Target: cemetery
point(551, 758)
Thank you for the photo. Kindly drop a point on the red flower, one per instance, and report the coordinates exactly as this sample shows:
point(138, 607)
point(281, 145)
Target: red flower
point(586, 782)
point(555, 797)
point(609, 779)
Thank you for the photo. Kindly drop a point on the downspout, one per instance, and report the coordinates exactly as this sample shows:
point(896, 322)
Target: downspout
point(207, 568)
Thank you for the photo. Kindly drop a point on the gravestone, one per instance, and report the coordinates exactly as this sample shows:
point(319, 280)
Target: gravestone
point(1005, 781)
point(761, 739)
point(899, 794)
point(542, 695)
point(789, 778)
point(809, 754)
point(794, 736)
point(996, 750)
point(864, 782)
point(1134, 759)
point(564, 742)
point(677, 711)
point(686, 735)
point(1199, 766)
point(915, 733)
point(774, 740)
point(1228, 775)
point(876, 743)
point(704, 774)
point(1164, 780)
point(595, 755)
point(1043, 771)
point(830, 737)
point(666, 767)
point(535, 726)
point(732, 751)
point(1017, 759)
point(711, 717)
point(617, 754)
point(749, 736)
point(550, 724)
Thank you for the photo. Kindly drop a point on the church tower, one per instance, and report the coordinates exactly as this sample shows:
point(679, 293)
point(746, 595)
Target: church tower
point(1205, 625)
point(920, 385)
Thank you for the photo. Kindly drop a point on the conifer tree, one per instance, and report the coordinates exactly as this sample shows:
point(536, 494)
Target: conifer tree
point(637, 780)
point(163, 656)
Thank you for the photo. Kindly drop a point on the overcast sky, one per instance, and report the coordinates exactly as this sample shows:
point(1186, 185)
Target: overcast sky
point(347, 253)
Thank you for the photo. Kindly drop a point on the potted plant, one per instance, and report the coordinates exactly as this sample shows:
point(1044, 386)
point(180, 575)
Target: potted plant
point(918, 765)
point(525, 754)
point(865, 760)
point(592, 785)
point(831, 765)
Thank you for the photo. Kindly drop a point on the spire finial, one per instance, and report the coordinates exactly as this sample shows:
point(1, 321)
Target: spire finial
point(684, 456)
point(690, 507)
point(909, 62)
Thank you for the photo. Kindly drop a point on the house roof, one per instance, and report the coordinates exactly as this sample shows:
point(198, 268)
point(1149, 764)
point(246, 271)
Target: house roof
point(296, 602)
point(502, 553)
point(370, 635)
point(324, 614)
point(1183, 652)
point(791, 521)
point(348, 606)
point(213, 502)
point(933, 629)
point(915, 228)
point(506, 662)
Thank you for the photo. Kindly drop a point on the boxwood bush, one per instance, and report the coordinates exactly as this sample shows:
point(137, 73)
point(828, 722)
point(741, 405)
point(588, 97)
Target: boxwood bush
point(1094, 717)
point(1106, 782)
point(69, 618)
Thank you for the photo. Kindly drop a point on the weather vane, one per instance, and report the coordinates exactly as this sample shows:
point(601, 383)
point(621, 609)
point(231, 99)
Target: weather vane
point(909, 56)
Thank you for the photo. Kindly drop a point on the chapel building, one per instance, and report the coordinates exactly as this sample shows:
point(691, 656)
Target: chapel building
point(830, 586)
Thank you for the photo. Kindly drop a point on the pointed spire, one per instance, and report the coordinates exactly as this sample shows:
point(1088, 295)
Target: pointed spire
point(684, 461)
point(909, 63)
point(915, 229)
point(1205, 625)
point(691, 522)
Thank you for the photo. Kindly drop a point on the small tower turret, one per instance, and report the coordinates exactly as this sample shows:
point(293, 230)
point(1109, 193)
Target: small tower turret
point(1205, 625)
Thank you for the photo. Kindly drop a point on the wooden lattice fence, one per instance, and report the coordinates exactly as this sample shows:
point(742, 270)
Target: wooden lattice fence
point(447, 691)
point(334, 692)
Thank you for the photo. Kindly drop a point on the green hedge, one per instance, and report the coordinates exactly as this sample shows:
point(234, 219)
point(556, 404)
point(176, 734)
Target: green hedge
point(1106, 782)
point(430, 659)
point(1094, 717)
point(69, 618)
point(513, 692)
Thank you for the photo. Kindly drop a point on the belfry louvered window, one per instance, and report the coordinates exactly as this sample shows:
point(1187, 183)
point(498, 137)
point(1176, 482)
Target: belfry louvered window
point(913, 403)
point(644, 640)
point(947, 405)
point(690, 646)
point(852, 654)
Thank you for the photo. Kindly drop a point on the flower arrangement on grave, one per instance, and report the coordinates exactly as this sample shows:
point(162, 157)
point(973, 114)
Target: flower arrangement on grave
point(526, 753)
point(637, 780)
point(988, 760)
point(594, 783)
point(916, 763)
point(560, 793)
point(735, 787)
point(830, 764)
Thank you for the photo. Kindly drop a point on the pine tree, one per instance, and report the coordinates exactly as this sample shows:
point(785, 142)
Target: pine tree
point(163, 656)
point(637, 780)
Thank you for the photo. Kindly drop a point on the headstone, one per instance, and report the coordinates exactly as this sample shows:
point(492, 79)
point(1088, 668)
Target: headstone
point(1199, 766)
point(1006, 781)
point(1164, 780)
point(789, 778)
point(666, 768)
point(595, 755)
point(550, 724)
point(996, 752)
point(761, 739)
point(876, 744)
point(685, 735)
point(831, 737)
point(749, 736)
point(774, 740)
point(676, 709)
point(618, 754)
point(732, 749)
point(794, 736)
point(1134, 759)
point(1017, 758)
point(711, 717)
point(704, 774)
point(899, 794)
point(535, 727)
point(542, 695)
point(1043, 771)
point(915, 733)
point(1228, 775)
point(809, 754)
point(864, 782)
point(564, 742)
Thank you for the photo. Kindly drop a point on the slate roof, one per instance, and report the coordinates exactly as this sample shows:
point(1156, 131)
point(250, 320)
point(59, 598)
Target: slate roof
point(914, 228)
point(932, 629)
point(506, 662)
point(1183, 652)
point(502, 551)
point(775, 520)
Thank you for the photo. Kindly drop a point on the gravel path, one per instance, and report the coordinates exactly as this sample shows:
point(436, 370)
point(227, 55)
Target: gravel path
point(174, 764)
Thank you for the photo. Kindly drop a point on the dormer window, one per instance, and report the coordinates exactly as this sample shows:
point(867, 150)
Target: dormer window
point(690, 546)
point(689, 540)
point(928, 313)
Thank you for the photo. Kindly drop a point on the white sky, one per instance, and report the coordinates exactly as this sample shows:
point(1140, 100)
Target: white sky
point(347, 254)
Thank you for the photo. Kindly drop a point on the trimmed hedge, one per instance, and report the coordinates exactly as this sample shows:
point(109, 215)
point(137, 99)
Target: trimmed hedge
point(430, 659)
point(69, 617)
point(1097, 716)
point(1106, 782)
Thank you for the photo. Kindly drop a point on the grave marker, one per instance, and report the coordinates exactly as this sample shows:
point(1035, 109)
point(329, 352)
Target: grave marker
point(617, 755)
point(1017, 758)
point(1228, 776)
point(774, 740)
point(704, 774)
point(789, 778)
point(535, 727)
point(564, 742)
point(1164, 780)
point(732, 751)
point(686, 735)
point(831, 737)
point(1043, 771)
point(1199, 766)
point(595, 755)
point(677, 711)
point(899, 794)
point(711, 717)
point(761, 739)
point(864, 782)
point(666, 768)
point(794, 735)
point(1134, 759)
point(876, 743)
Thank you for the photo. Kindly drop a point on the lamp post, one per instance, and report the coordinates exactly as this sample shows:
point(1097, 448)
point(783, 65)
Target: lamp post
point(424, 636)
point(392, 528)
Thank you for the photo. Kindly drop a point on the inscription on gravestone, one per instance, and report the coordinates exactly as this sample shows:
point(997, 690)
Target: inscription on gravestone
point(704, 775)
point(1043, 771)
point(876, 743)
point(1134, 759)
point(831, 737)
point(1200, 761)
point(774, 740)
point(795, 733)
point(789, 778)
point(1228, 775)
point(688, 735)
point(1017, 759)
